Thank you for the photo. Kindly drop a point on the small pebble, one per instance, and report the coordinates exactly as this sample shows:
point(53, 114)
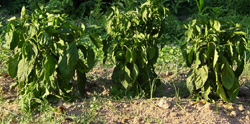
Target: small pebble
point(173, 114)
point(247, 118)
point(241, 108)
point(233, 114)
point(208, 106)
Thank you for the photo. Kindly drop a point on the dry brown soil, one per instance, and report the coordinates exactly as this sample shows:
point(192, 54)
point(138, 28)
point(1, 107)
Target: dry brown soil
point(166, 108)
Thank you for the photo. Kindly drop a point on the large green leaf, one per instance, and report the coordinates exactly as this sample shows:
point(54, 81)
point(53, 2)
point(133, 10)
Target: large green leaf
point(49, 66)
point(68, 61)
point(227, 76)
point(12, 39)
point(191, 56)
point(233, 92)
point(221, 92)
point(202, 76)
point(91, 58)
point(135, 73)
point(24, 69)
point(51, 31)
point(96, 39)
point(206, 90)
point(124, 76)
point(81, 81)
point(32, 31)
point(190, 84)
point(13, 65)
point(129, 55)
point(151, 51)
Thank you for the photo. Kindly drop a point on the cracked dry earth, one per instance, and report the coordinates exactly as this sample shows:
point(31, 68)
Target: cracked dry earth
point(164, 109)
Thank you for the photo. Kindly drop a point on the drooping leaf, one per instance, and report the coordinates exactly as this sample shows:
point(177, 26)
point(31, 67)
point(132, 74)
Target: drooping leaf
point(221, 92)
point(190, 84)
point(124, 77)
point(129, 55)
point(81, 81)
point(91, 58)
point(191, 56)
point(68, 61)
point(51, 31)
point(202, 76)
point(12, 39)
point(24, 69)
point(234, 91)
point(135, 73)
point(13, 65)
point(227, 76)
point(216, 56)
point(206, 90)
point(96, 39)
point(151, 51)
point(32, 31)
point(50, 66)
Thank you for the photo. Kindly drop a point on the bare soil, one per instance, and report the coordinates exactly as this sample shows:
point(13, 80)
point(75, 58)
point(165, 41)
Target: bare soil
point(168, 107)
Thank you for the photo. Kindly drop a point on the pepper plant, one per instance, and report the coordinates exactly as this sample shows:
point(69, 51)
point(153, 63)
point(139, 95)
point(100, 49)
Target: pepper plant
point(216, 52)
point(46, 49)
point(132, 42)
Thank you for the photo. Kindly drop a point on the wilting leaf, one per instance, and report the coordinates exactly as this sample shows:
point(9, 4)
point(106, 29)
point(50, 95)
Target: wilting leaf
point(202, 76)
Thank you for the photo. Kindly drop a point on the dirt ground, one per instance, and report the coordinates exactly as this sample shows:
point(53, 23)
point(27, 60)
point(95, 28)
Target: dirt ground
point(166, 108)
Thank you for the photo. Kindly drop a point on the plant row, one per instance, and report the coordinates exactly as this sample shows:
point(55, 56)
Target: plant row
point(49, 53)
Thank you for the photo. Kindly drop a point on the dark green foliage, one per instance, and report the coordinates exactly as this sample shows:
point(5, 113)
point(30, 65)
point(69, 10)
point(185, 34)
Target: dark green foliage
point(217, 58)
point(132, 41)
point(46, 50)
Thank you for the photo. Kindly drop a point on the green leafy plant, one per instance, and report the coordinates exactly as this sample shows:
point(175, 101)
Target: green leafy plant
point(215, 50)
point(132, 41)
point(46, 49)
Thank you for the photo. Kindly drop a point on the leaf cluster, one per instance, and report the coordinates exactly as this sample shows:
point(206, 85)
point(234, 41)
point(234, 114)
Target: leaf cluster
point(132, 41)
point(216, 52)
point(46, 49)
